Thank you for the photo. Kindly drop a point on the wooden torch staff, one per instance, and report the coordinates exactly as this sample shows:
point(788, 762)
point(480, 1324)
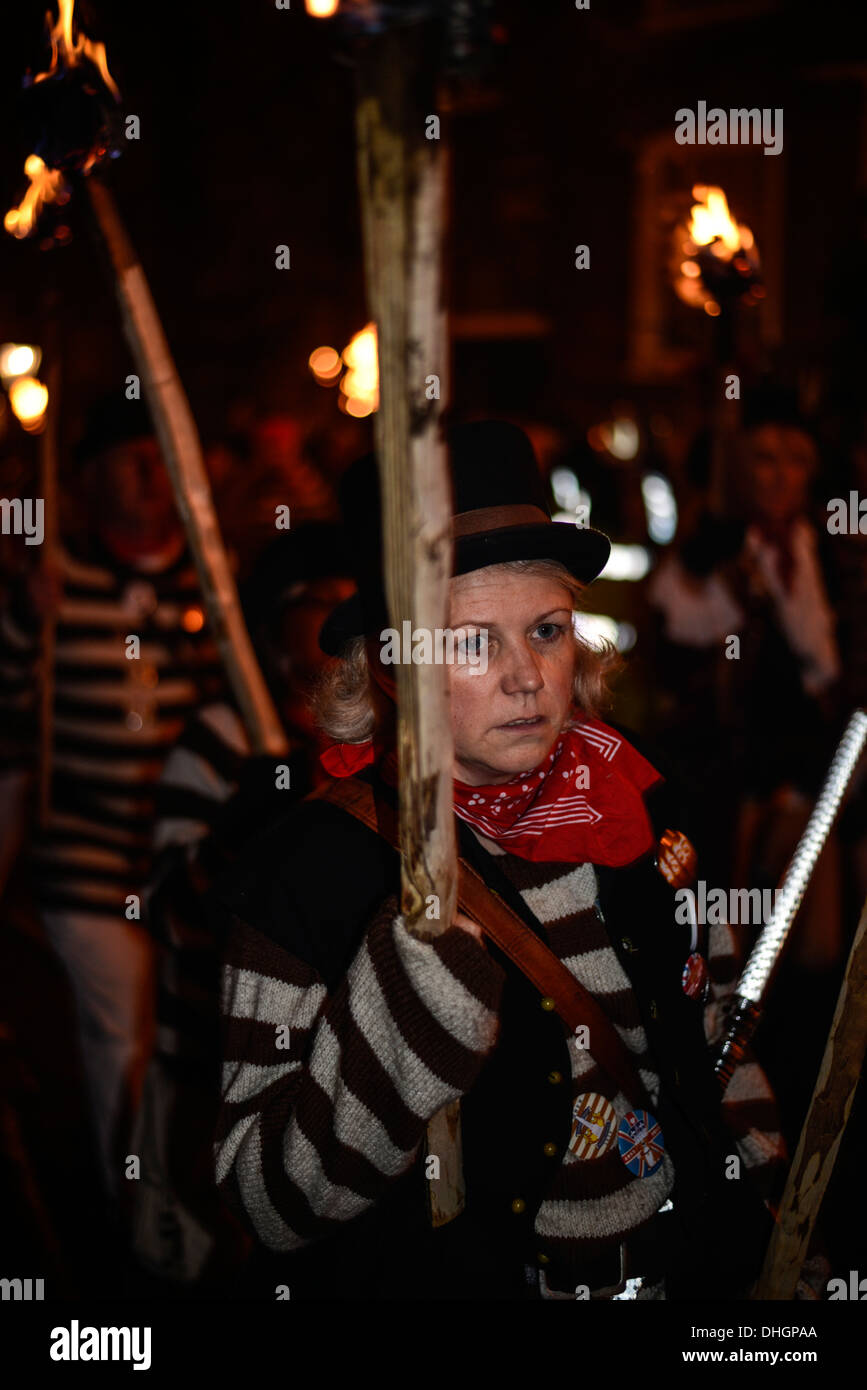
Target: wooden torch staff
point(48, 559)
point(823, 1129)
point(401, 181)
point(182, 452)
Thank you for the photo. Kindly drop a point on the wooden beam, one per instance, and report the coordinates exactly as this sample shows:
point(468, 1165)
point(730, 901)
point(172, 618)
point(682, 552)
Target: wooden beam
point(823, 1129)
point(182, 452)
point(401, 181)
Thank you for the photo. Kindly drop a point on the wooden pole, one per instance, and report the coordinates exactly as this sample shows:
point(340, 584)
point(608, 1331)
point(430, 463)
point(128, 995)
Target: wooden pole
point(823, 1129)
point(182, 452)
point(49, 556)
point(401, 182)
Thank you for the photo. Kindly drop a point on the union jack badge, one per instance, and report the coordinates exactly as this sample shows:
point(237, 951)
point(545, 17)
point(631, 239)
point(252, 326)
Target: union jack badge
point(640, 1142)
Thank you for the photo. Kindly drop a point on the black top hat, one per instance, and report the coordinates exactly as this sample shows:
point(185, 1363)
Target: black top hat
point(500, 513)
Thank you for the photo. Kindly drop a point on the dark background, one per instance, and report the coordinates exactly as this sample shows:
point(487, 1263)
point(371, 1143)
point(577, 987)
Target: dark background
point(566, 138)
point(247, 142)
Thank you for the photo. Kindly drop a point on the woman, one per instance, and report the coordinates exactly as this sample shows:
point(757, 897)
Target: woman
point(344, 1035)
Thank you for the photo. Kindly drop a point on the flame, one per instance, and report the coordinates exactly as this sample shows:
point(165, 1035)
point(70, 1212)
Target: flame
point(326, 365)
point(46, 186)
point(193, 620)
point(321, 9)
point(67, 51)
point(359, 362)
point(711, 221)
point(360, 384)
point(29, 400)
point(18, 359)
point(713, 232)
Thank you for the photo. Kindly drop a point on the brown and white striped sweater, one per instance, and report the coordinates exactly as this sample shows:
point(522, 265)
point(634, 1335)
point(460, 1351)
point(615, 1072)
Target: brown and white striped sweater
point(312, 1135)
point(591, 1204)
point(312, 1140)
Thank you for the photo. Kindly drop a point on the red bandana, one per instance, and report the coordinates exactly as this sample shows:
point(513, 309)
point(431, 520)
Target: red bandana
point(583, 804)
point(345, 759)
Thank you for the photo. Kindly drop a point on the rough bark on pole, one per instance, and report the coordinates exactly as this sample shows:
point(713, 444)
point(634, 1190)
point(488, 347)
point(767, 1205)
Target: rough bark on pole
point(823, 1129)
point(401, 180)
point(182, 452)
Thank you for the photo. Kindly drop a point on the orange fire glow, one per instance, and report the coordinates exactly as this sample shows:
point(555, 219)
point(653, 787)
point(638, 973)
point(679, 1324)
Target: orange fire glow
point(710, 226)
point(710, 221)
point(29, 400)
point(360, 384)
point(193, 620)
point(46, 186)
point(67, 49)
point(326, 365)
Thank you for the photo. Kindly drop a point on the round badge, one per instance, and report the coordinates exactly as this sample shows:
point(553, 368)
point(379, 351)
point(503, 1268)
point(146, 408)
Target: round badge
point(594, 1126)
point(695, 976)
point(641, 1144)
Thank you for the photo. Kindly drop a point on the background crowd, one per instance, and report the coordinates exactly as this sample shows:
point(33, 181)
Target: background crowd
point(740, 613)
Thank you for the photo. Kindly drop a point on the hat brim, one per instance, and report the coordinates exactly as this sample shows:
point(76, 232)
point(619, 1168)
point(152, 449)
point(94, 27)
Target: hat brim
point(583, 551)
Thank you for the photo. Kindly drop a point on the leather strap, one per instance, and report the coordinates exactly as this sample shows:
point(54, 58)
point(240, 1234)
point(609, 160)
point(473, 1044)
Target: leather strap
point(575, 1006)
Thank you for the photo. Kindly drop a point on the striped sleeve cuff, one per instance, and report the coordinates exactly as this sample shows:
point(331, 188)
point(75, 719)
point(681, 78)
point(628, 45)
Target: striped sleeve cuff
point(308, 1147)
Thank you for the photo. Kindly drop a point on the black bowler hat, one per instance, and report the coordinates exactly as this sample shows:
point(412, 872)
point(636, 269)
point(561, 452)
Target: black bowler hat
point(500, 513)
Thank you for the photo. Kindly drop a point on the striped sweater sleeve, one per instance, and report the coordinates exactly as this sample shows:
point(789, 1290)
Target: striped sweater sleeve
point(199, 777)
point(749, 1105)
point(310, 1137)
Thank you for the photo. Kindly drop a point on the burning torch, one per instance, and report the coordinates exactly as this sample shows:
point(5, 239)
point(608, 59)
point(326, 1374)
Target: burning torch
point(716, 258)
point(72, 114)
point(716, 267)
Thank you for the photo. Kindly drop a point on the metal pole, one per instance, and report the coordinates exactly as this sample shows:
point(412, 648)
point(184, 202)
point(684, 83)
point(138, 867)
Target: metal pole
point(768, 949)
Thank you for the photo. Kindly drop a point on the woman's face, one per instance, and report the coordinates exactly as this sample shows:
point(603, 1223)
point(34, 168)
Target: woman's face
point(530, 654)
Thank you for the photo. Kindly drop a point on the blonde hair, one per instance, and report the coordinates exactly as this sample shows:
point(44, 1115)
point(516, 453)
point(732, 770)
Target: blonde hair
point(349, 706)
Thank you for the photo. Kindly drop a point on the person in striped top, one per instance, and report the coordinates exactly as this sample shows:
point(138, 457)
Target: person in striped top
point(344, 1035)
point(214, 796)
point(132, 658)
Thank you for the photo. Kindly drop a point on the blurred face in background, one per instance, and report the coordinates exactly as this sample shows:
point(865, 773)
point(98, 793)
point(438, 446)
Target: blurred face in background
point(299, 658)
point(133, 504)
point(781, 460)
